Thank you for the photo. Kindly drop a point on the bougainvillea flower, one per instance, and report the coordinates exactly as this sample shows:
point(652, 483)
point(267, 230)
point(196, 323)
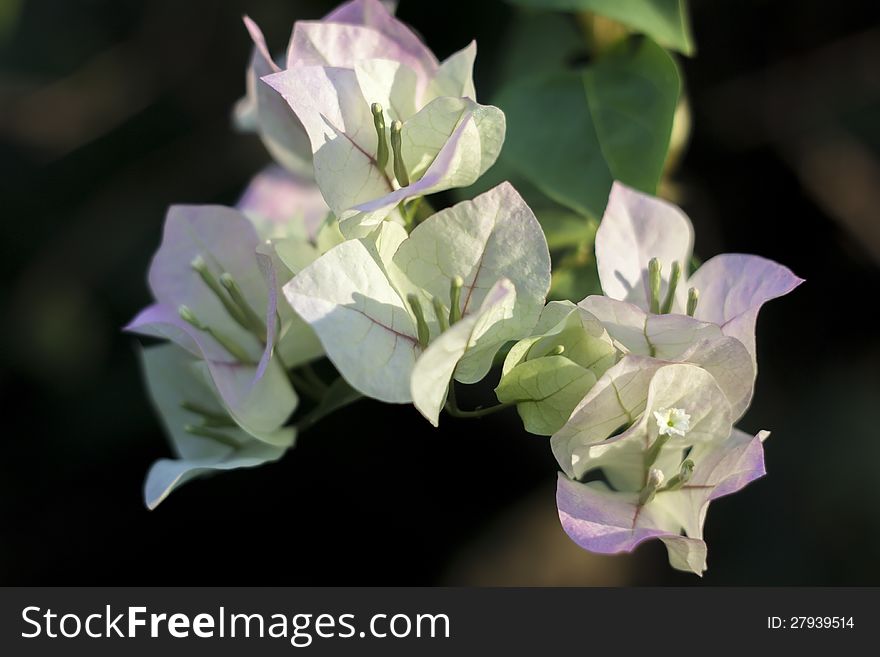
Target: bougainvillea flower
point(614, 425)
point(548, 374)
point(203, 436)
point(386, 121)
point(216, 296)
point(398, 314)
point(602, 520)
point(638, 228)
point(662, 436)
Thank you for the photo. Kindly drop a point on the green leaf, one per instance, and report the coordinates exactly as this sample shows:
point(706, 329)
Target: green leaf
point(632, 95)
point(176, 389)
point(575, 282)
point(565, 229)
point(545, 385)
point(617, 118)
point(666, 21)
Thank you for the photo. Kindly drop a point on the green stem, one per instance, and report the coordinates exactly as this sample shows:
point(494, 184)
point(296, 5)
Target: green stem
point(304, 386)
point(453, 409)
point(309, 374)
point(479, 412)
point(409, 213)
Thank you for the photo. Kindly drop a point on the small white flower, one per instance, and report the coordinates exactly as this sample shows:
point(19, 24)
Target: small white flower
point(672, 421)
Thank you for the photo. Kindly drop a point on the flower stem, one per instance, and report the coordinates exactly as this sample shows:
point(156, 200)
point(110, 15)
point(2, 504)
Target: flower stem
point(453, 409)
point(303, 385)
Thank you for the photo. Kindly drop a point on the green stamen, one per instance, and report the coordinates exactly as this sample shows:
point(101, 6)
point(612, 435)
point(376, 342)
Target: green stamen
point(674, 276)
point(679, 480)
point(253, 323)
point(379, 123)
point(654, 284)
point(228, 344)
point(421, 324)
point(201, 268)
point(558, 350)
point(693, 298)
point(455, 299)
point(399, 168)
point(441, 313)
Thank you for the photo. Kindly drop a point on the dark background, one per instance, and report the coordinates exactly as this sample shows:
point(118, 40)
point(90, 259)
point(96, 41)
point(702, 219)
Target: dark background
point(111, 110)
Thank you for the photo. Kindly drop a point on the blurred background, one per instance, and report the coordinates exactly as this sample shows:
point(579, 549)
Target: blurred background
point(111, 110)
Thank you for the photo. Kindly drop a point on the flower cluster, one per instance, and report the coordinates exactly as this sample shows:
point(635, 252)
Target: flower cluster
point(332, 253)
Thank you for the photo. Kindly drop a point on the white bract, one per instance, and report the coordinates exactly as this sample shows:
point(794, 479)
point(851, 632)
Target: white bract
point(231, 329)
point(204, 437)
point(614, 425)
point(729, 288)
point(366, 298)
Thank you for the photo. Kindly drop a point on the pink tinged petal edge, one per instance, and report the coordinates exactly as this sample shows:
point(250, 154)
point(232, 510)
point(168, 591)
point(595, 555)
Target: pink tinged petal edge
point(733, 287)
point(266, 112)
point(322, 98)
point(260, 43)
point(163, 321)
point(607, 522)
point(234, 381)
point(635, 228)
point(600, 521)
point(739, 463)
point(380, 16)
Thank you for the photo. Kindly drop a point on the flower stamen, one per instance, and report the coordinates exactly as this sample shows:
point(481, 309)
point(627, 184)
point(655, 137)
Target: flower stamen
point(379, 124)
point(674, 277)
point(230, 345)
point(455, 299)
point(253, 323)
point(693, 298)
point(201, 268)
point(654, 280)
point(421, 325)
point(399, 167)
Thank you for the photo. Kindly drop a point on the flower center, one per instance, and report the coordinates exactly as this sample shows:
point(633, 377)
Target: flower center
point(672, 421)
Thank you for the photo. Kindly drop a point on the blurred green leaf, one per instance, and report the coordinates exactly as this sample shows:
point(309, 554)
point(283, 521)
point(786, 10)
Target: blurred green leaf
point(616, 119)
point(666, 21)
point(566, 229)
point(537, 42)
point(10, 11)
point(632, 96)
point(574, 281)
